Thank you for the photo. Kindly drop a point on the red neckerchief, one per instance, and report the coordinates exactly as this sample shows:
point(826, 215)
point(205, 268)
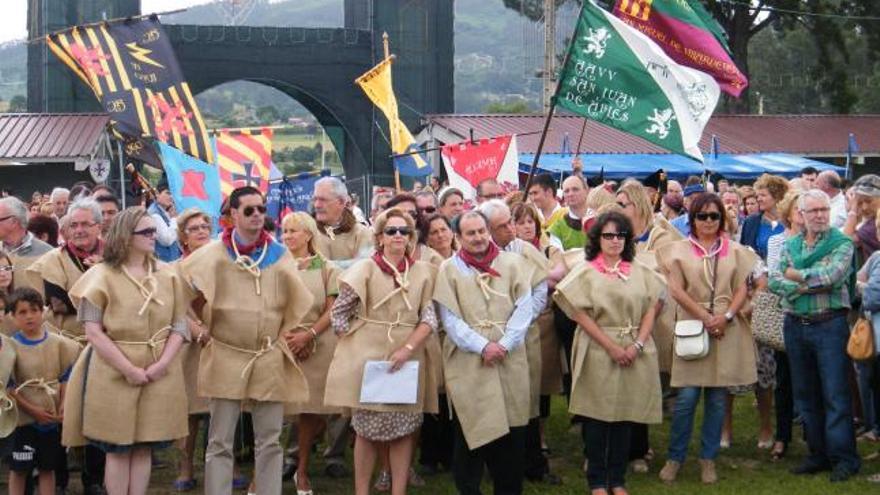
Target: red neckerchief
point(245, 249)
point(483, 265)
point(536, 241)
point(404, 264)
point(82, 255)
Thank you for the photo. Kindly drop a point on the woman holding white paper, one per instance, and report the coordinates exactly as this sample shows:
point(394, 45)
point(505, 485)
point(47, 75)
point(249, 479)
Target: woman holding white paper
point(384, 312)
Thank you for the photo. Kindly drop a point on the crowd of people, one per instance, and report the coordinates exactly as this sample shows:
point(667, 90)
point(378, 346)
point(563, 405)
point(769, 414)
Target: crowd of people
point(432, 332)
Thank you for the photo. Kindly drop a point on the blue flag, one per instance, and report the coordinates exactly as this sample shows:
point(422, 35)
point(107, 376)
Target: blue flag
point(292, 194)
point(193, 183)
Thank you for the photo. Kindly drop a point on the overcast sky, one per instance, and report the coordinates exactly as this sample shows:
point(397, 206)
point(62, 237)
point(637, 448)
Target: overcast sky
point(13, 22)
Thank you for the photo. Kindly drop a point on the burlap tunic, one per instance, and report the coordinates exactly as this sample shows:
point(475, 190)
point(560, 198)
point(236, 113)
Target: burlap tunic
point(377, 331)
point(345, 246)
point(600, 388)
point(39, 369)
point(552, 362)
point(190, 356)
point(247, 357)
point(664, 326)
point(539, 268)
point(321, 280)
point(100, 404)
point(731, 360)
point(488, 400)
point(8, 407)
point(57, 268)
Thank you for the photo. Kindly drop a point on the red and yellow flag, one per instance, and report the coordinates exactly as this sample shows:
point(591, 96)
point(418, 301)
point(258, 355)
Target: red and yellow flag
point(244, 157)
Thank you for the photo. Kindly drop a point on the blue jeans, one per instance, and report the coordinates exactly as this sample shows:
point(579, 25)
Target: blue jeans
point(819, 367)
point(683, 422)
point(867, 374)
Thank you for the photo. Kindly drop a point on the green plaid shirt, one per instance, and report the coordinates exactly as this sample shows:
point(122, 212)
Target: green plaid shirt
point(828, 277)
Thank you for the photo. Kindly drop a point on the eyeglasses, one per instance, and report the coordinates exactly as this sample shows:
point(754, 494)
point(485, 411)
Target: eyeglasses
point(249, 210)
point(712, 216)
point(428, 210)
point(492, 196)
point(609, 236)
point(147, 232)
point(623, 205)
point(6, 268)
point(81, 225)
point(391, 231)
point(816, 211)
point(196, 228)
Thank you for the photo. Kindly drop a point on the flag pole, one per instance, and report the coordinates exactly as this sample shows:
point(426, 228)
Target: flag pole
point(552, 108)
point(387, 50)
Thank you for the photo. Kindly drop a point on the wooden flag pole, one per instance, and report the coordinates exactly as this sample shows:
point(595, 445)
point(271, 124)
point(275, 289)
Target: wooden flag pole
point(387, 51)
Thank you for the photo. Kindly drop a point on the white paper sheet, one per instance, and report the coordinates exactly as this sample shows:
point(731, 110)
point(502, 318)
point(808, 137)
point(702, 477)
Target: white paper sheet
point(381, 387)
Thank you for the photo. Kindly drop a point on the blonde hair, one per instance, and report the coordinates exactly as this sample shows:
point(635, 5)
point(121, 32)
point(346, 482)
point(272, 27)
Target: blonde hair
point(304, 221)
point(787, 205)
point(117, 243)
point(184, 218)
point(382, 220)
point(637, 195)
point(599, 197)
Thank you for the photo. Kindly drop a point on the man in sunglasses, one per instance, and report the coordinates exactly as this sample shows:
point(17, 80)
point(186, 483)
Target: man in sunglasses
point(537, 467)
point(59, 270)
point(21, 246)
point(485, 300)
point(426, 202)
point(254, 296)
point(342, 238)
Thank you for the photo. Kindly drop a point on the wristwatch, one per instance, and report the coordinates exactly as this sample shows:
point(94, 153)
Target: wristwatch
point(729, 316)
point(639, 346)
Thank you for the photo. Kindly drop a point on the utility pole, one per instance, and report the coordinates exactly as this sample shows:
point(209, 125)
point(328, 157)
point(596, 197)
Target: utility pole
point(549, 75)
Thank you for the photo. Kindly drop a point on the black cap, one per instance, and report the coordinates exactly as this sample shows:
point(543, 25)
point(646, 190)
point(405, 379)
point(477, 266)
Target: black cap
point(654, 180)
point(163, 183)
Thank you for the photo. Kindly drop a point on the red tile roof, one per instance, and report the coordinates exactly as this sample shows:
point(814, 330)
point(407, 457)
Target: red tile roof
point(39, 137)
point(810, 135)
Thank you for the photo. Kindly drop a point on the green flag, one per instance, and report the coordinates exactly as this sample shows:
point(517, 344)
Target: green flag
point(617, 76)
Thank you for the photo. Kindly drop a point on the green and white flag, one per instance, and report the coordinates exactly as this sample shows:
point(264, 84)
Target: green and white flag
point(617, 76)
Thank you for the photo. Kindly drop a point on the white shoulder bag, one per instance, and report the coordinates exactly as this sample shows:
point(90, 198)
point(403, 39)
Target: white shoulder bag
point(691, 337)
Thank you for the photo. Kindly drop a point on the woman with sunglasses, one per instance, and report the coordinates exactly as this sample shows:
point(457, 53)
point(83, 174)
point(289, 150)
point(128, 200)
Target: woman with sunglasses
point(126, 394)
point(311, 342)
point(408, 204)
point(384, 312)
point(193, 231)
point(7, 285)
point(707, 275)
point(615, 377)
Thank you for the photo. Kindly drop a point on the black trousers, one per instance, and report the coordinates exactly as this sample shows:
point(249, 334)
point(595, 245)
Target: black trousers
point(783, 399)
point(536, 463)
point(505, 458)
point(638, 443)
point(437, 437)
point(606, 446)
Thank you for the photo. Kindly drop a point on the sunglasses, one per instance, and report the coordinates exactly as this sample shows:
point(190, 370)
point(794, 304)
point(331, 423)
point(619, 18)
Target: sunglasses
point(712, 216)
point(391, 231)
point(609, 236)
point(249, 210)
point(148, 232)
point(428, 210)
point(622, 204)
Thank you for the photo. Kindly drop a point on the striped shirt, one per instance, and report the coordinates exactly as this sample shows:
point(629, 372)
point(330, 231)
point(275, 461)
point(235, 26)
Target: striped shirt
point(826, 281)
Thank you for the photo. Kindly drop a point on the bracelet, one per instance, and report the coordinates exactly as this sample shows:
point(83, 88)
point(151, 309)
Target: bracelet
point(640, 346)
point(410, 347)
point(313, 332)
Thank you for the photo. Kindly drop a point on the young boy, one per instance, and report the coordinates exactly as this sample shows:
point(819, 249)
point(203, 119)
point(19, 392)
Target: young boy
point(42, 366)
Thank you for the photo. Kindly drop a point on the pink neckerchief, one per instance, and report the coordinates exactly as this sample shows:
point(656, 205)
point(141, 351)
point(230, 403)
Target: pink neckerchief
point(721, 247)
point(620, 269)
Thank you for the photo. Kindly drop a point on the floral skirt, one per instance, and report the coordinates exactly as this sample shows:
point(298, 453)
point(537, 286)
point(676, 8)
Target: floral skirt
point(385, 426)
point(766, 364)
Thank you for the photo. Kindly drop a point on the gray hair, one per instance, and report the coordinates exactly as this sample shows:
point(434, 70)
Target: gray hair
point(89, 204)
point(456, 224)
point(57, 191)
point(16, 208)
point(812, 193)
point(336, 185)
point(374, 204)
point(494, 207)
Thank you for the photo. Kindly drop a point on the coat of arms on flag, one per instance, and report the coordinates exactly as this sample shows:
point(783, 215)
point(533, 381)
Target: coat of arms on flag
point(132, 69)
point(469, 163)
point(244, 157)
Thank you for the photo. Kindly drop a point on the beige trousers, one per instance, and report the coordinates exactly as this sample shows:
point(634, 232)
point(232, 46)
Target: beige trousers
point(267, 418)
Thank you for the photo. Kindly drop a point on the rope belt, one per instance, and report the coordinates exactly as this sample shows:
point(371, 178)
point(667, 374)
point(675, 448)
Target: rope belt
point(488, 325)
point(487, 290)
point(153, 342)
point(6, 404)
point(40, 383)
point(390, 324)
point(268, 346)
point(623, 332)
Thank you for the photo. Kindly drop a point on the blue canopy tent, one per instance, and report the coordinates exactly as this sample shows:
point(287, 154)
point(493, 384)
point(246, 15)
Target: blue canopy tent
point(620, 166)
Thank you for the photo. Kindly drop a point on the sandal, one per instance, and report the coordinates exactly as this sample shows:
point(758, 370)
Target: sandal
point(874, 478)
point(383, 482)
point(184, 485)
point(778, 452)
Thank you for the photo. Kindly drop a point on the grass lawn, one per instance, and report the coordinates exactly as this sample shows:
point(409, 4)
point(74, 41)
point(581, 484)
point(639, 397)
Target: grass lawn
point(742, 469)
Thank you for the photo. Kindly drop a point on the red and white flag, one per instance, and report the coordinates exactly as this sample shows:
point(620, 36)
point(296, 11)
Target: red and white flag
point(469, 163)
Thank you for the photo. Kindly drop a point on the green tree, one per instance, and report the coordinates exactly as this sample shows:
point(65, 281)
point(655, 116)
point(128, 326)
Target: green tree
point(304, 154)
point(268, 115)
point(18, 103)
point(518, 106)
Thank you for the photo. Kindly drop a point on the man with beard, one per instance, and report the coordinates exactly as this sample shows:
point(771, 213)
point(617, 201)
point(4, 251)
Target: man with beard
point(59, 269)
point(342, 238)
point(485, 301)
